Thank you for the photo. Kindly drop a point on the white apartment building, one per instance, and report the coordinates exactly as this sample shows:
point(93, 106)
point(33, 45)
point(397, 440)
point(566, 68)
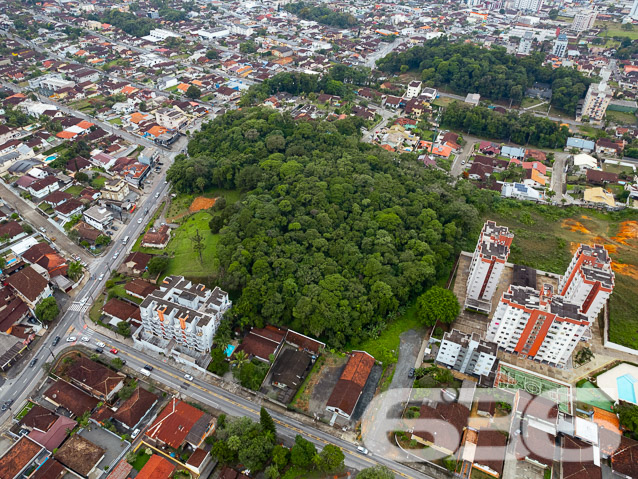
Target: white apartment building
point(170, 118)
point(184, 312)
point(488, 261)
point(583, 21)
point(589, 280)
point(596, 102)
point(98, 217)
point(560, 46)
point(633, 13)
point(414, 89)
point(468, 354)
point(525, 45)
point(527, 5)
point(159, 35)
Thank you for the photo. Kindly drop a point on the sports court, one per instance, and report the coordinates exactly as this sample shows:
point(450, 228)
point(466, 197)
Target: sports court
point(511, 378)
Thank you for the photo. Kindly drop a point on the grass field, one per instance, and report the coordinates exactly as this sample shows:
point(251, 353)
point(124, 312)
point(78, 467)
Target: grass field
point(74, 190)
point(545, 238)
point(618, 169)
point(619, 32)
point(141, 459)
point(621, 117)
point(179, 205)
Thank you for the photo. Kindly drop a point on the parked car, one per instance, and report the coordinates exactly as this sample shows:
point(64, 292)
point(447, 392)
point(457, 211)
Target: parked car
point(114, 351)
point(411, 373)
point(71, 339)
point(135, 433)
point(56, 340)
point(363, 450)
point(114, 228)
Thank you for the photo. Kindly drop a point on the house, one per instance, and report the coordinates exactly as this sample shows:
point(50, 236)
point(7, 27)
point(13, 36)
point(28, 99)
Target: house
point(157, 467)
point(80, 455)
point(413, 90)
point(290, 369)
point(262, 343)
point(608, 147)
point(534, 178)
point(30, 286)
point(51, 469)
point(57, 198)
point(136, 262)
point(513, 152)
point(135, 409)
point(492, 463)
point(116, 190)
point(69, 209)
point(170, 118)
point(623, 459)
point(46, 427)
point(599, 196)
point(227, 94)
point(15, 462)
point(580, 144)
point(535, 445)
point(535, 155)
point(139, 288)
point(479, 171)
point(64, 395)
point(45, 256)
point(12, 310)
point(100, 381)
point(179, 424)
point(103, 160)
point(117, 311)
point(584, 162)
point(451, 420)
point(12, 230)
point(157, 237)
point(348, 389)
point(520, 191)
point(41, 188)
point(98, 217)
point(597, 177)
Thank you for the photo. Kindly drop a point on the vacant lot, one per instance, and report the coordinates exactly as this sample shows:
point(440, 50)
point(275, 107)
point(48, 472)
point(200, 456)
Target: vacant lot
point(546, 237)
point(621, 117)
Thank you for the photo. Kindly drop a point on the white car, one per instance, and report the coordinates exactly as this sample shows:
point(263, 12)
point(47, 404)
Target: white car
point(101, 277)
point(85, 339)
point(71, 339)
point(157, 195)
point(135, 434)
point(139, 221)
point(188, 377)
point(115, 255)
point(463, 162)
point(101, 344)
point(363, 450)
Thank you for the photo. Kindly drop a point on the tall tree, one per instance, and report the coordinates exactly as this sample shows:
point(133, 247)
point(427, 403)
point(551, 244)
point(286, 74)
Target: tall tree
point(266, 421)
point(47, 309)
point(437, 304)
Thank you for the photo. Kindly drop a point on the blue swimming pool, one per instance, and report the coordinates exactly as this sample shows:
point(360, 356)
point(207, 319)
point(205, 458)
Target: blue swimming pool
point(50, 158)
point(626, 388)
point(229, 350)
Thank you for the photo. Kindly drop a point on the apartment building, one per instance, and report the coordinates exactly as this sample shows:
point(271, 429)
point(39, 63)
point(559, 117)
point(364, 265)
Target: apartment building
point(468, 354)
point(583, 21)
point(414, 89)
point(560, 45)
point(185, 312)
point(98, 217)
point(589, 280)
point(488, 261)
point(116, 190)
point(596, 102)
point(525, 45)
point(170, 118)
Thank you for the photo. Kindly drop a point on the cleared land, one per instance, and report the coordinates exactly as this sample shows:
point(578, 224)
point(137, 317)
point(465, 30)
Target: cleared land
point(545, 238)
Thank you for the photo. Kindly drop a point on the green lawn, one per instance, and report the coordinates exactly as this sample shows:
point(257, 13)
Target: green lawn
point(28, 406)
point(590, 394)
point(46, 208)
point(385, 348)
point(74, 190)
point(115, 121)
point(619, 32)
point(98, 182)
point(120, 292)
point(179, 205)
point(621, 117)
point(140, 461)
point(544, 238)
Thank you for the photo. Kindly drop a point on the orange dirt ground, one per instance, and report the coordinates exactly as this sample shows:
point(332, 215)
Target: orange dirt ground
point(574, 225)
point(625, 269)
point(628, 231)
point(201, 203)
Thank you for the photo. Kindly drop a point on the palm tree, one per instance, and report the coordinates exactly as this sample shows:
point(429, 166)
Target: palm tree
point(240, 359)
point(75, 270)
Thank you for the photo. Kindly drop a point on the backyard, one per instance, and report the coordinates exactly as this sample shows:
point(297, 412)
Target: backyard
point(546, 237)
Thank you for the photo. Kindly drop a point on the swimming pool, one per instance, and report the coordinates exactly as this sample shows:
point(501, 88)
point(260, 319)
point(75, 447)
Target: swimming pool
point(626, 388)
point(229, 350)
point(50, 158)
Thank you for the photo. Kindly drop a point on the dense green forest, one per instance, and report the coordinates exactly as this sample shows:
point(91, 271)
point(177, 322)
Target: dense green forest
point(333, 235)
point(525, 129)
point(340, 80)
point(323, 15)
point(128, 22)
point(467, 68)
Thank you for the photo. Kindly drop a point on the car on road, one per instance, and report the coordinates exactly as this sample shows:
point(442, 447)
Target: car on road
point(56, 340)
point(7, 404)
point(85, 339)
point(139, 221)
point(363, 450)
point(33, 361)
point(71, 339)
point(116, 255)
point(101, 277)
point(463, 162)
point(100, 344)
point(148, 367)
point(188, 377)
point(99, 350)
point(114, 351)
point(411, 373)
point(157, 195)
point(135, 433)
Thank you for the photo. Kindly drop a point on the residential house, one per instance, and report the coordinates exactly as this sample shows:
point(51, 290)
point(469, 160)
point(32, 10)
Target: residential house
point(117, 311)
point(349, 388)
point(98, 217)
point(30, 286)
point(56, 198)
point(100, 381)
point(290, 368)
point(139, 288)
point(413, 90)
point(46, 257)
point(180, 424)
point(47, 428)
point(157, 467)
point(12, 230)
point(103, 160)
point(115, 189)
point(599, 196)
point(598, 177)
point(157, 237)
point(69, 209)
point(136, 262)
point(490, 149)
point(521, 191)
point(608, 147)
point(80, 456)
point(135, 409)
point(262, 343)
point(451, 420)
point(580, 144)
point(513, 152)
point(41, 188)
point(64, 395)
point(227, 94)
point(20, 457)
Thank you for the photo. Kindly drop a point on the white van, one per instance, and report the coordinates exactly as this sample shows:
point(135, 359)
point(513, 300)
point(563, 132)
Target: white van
point(145, 372)
point(125, 240)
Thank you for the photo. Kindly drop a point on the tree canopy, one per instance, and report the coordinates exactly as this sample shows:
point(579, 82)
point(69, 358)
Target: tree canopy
point(323, 15)
point(333, 234)
point(437, 304)
point(467, 68)
point(47, 309)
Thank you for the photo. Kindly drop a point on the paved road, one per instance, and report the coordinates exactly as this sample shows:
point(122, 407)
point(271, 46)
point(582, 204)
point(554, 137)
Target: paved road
point(465, 154)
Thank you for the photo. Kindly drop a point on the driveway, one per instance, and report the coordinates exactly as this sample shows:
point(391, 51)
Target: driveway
point(408, 352)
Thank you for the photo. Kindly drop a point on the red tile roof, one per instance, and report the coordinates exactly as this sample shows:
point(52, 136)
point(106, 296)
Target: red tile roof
point(11, 228)
point(135, 407)
point(625, 459)
point(28, 282)
point(577, 458)
point(157, 467)
point(350, 385)
point(174, 422)
point(51, 469)
point(70, 397)
point(18, 457)
point(98, 379)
